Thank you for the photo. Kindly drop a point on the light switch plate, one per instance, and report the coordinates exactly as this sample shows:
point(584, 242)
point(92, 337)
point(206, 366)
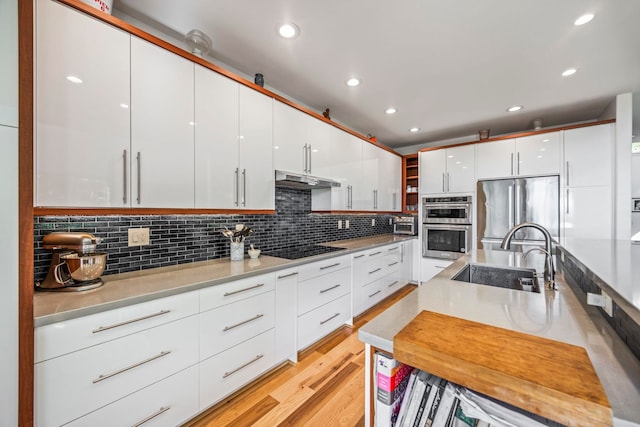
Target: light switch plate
point(595, 299)
point(339, 224)
point(138, 236)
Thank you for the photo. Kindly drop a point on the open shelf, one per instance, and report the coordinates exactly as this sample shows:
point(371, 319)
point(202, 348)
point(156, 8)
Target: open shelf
point(410, 184)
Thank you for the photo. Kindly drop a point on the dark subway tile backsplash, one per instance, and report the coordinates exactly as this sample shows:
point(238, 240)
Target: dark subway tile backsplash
point(180, 239)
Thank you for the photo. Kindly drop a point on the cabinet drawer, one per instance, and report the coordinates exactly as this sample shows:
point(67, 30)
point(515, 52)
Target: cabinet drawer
point(318, 291)
point(327, 266)
point(169, 402)
point(75, 384)
point(64, 337)
point(231, 324)
point(320, 322)
point(368, 271)
point(368, 296)
point(218, 295)
point(224, 373)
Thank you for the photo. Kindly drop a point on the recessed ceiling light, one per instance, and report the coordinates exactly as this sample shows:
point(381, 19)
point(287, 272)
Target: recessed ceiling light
point(391, 110)
point(515, 108)
point(569, 72)
point(124, 105)
point(74, 79)
point(584, 19)
point(289, 30)
point(414, 129)
point(353, 81)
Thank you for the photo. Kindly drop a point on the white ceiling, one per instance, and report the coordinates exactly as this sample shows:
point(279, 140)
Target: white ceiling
point(449, 67)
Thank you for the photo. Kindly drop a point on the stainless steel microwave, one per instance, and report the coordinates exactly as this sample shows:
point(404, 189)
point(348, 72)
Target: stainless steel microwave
point(448, 241)
point(405, 225)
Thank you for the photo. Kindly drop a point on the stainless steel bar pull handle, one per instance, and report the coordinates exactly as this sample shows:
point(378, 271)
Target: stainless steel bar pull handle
point(304, 158)
point(124, 177)
point(236, 187)
point(374, 199)
point(329, 266)
point(255, 359)
point(375, 271)
point(448, 182)
point(127, 322)
point(244, 322)
point(226, 294)
point(511, 163)
point(152, 416)
point(567, 200)
point(374, 294)
point(393, 284)
point(244, 187)
point(135, 365)
point(288, 275)
point(322, 322)
point(310, 154)
point(567, 178)
point(443, 186)
point(518, 163)
point(375, 253)
point(329, 289)
point(139, 161)
point(394, 263)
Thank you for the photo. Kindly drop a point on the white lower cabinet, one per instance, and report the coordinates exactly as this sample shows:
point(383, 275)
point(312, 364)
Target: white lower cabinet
point(376, 275)
point(77, 383)
point(429, 267)
point(323, 320)
point(286, 326)
point(320, 290)
point(224, 373)
point(157, 405)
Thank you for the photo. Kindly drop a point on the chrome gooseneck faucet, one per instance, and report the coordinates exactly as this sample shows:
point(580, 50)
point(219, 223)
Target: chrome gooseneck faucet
point(549, 270)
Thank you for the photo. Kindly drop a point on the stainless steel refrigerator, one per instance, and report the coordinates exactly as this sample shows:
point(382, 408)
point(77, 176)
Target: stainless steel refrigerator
point(503, 203)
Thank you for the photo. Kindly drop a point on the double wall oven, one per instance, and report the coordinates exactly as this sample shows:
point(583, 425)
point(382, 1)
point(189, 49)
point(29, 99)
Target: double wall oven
point(446, 226)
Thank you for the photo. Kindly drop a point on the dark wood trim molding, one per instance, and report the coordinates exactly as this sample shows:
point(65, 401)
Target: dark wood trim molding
point(522, 134)
point(116, 22)
point(357, 212)
point(45, 211)
point(25, 213)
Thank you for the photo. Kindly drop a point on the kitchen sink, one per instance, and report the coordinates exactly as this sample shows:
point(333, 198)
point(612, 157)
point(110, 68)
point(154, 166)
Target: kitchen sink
point(522, 279)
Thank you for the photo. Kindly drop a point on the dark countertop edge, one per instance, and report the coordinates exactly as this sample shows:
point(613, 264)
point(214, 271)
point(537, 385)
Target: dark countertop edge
point(48, 319)
point(631, 310)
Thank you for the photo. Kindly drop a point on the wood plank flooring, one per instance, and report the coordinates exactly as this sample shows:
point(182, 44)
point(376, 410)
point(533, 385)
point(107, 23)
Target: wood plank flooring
point(325, 387)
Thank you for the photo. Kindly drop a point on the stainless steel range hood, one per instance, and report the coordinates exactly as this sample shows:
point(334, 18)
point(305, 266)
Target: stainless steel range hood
point(296, 180)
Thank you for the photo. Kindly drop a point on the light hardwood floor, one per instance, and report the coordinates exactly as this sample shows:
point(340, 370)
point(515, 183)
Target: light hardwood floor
point(325, 387)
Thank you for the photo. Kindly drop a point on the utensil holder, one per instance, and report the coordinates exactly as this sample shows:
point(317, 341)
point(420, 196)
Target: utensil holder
point(237, 251)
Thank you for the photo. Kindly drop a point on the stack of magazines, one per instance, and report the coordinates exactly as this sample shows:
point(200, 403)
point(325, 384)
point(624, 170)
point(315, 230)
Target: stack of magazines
point(407, 397)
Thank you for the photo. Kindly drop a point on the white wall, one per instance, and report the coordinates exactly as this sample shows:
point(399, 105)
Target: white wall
point(9, 212)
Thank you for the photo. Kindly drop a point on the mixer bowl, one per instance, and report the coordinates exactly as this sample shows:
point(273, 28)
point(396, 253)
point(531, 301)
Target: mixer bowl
point(85, 267)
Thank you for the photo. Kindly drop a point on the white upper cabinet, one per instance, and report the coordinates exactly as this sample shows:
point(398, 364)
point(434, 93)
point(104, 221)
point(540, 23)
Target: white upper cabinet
point(495, 159)
point(162, 127)
point(366, 197)
point(450, 170)
point(538, 154)
point(255, 132)
point(588, 155)
point(291, 129)
point(82, 145)
point(388, 195)
point(530, 155)
point(216, 141)
point(8, 64)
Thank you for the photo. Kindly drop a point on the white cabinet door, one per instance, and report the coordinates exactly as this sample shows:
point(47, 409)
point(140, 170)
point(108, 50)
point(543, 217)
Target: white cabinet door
point(82, 110)
point(495, 159)
point(407, 257)
point(162, 122)
point(366, 195)
point(429, 267)
point(257, 189)
point(286, 322)
point(432, 170)
point(290, 131)
point(461, 163)
point(389, 197)
point(538, 154)
point(588, 212)
point(8, 64)
point(216, 140)
point(587, 155)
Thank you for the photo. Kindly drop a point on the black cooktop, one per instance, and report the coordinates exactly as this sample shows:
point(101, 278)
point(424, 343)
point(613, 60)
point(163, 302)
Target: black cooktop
point(296, 252)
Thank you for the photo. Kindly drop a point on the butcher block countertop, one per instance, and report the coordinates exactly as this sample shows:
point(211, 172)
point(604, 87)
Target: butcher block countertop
point(549, 378)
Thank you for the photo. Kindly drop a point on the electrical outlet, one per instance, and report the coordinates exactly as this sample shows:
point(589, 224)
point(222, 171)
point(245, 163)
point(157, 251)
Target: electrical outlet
point(138, 236)
point(346, 223)
point(390, 221)
point(373, 222)
point(339, 224)
point(608, 304)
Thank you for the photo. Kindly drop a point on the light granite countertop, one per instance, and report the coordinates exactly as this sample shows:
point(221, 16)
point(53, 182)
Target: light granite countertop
point(556, 315)
point(120, 290)
point(617, 264)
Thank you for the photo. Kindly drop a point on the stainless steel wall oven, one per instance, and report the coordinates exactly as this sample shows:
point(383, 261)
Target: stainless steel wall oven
point(446, 226)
